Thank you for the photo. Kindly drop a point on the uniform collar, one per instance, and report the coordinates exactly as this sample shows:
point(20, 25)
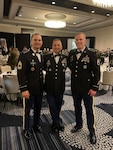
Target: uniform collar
point(36, 51)
point(56, 54)
point(81, 49)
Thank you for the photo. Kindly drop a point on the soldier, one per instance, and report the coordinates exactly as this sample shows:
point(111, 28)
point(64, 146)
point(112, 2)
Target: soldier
point(55, 66)
point(31, 83)
point(85, 74)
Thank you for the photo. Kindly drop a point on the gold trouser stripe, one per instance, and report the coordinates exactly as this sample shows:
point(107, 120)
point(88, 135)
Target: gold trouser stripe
point(23, 113)
point(93, 112)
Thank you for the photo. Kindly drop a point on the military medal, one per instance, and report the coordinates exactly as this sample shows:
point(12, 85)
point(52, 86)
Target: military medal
point(32, 68)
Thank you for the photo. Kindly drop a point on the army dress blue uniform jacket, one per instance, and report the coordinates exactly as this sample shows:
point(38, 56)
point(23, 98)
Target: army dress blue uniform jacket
point(85, 72)
point(30, 73)
point(55, 74)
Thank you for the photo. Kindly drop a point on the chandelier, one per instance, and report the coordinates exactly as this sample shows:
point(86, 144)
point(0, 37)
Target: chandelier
point(55, 20)
point(104, 3)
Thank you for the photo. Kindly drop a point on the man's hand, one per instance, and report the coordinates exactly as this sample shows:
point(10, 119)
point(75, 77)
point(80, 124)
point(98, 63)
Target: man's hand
point(26, 94)
point(91, 92)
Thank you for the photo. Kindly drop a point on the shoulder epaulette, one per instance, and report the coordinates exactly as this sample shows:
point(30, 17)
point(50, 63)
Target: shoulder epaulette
point(48, 53)
point(64, 55)
point(24, 52)
point(72, 50)
point(92, 50)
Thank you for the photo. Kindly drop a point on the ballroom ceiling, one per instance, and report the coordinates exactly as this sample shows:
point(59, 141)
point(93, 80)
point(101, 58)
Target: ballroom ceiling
point(78, 15)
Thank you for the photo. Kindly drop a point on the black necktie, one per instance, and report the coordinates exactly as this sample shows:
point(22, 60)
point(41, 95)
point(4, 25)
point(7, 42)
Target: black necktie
point(38, 52)
point(79, 52)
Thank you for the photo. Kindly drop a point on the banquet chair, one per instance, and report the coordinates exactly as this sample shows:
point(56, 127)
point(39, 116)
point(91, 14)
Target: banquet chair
point(108, 78)
point(11, 87)
point(5, 68)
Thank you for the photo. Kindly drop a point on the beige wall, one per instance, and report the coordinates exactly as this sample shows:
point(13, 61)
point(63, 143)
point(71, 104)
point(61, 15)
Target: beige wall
point(42, 31)
point(10, 28)
point(104, 37)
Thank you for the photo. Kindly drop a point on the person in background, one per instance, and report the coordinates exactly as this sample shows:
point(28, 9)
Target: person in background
point(3, 46)
point(31, 83)
point(55, 64)
point(13, 58)
point(10, 49)
point(24, 49)
point(85, 75)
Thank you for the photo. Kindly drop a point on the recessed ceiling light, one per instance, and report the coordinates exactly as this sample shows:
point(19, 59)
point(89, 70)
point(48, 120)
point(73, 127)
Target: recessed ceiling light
point(74, 23)
point(20, 15)
point(53, 3)
point(35, 17)
point(75, 7)
point(93, 11)
point(108, 14)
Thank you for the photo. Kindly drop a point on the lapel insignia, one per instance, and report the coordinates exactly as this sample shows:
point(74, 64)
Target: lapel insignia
point(33, 54)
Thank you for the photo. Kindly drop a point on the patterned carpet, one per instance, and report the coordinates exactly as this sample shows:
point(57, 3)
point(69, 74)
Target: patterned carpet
point(12, 137)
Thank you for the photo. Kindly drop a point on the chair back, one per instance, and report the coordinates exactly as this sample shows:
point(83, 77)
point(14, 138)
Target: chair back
point(108, 78)
point(5, 68)
point(11, 84)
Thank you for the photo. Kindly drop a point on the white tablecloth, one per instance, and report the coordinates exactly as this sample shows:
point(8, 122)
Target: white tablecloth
point(2, 89)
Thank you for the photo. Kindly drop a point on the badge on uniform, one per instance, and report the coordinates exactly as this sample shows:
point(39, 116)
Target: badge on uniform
point(19, 65)
point(64, 62)
point(32, 62)
point(48, 63)
point(85, 59)
point(84, 66)
point(32, 68)
point(98, 62)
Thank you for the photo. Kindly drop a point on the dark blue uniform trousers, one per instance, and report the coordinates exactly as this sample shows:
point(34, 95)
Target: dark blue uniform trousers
point(88, 102)
point(55, 103)
point(37, 101)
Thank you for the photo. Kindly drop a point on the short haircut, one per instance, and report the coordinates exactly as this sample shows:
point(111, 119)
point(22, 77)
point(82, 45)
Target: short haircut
point(57, 39)
point(34, 35)
point(78, 33)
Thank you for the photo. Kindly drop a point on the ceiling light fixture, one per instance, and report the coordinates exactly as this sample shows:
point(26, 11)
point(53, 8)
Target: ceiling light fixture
point(55, 24)
point(107, 14)
point(92, 11)
point(53, 3)
point(104, 3)
point(75, 7)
